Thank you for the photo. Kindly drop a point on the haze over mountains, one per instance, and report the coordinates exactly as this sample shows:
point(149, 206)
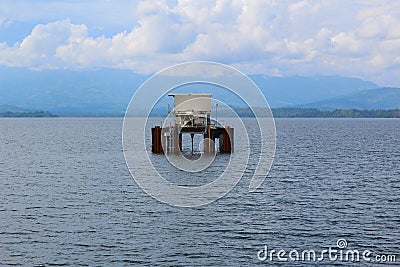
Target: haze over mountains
point(108, 91)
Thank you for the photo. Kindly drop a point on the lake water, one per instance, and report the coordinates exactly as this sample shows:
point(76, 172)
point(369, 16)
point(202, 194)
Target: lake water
point(67, 198)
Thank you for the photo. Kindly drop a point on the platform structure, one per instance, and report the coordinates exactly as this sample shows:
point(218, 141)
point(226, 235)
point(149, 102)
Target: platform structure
point(192, 115)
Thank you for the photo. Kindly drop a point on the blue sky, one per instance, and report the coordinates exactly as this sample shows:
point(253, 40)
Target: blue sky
point(278, 38)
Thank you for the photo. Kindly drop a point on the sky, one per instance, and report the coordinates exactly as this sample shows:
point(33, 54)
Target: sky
point(276, 38)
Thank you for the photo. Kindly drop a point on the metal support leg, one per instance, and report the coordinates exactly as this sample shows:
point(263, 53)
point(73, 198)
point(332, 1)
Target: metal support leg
point(192, 136)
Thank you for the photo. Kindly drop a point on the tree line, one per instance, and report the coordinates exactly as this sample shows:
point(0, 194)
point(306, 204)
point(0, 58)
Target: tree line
point(337, 113)
point(34, 114)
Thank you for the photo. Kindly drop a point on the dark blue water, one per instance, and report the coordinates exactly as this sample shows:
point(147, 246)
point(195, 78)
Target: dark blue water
point(67, 198)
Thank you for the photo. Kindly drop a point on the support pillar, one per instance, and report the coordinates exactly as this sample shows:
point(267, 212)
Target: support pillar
point(209, 145)
point(177, 141)
point(156, 146)
point(192, 136)
point(180, 142)
point(227, 140)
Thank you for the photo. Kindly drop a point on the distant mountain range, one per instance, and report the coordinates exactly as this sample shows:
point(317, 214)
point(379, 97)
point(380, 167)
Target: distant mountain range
point(297, 90)
point(108, 91)
point(380, 98)
point(9, 108)
point(64, 92)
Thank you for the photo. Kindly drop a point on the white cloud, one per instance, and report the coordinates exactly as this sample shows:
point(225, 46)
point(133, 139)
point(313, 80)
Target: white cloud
point(271, 37)
point(38, 49)
point(304, 7)
point(382, 26)
point(346, 44)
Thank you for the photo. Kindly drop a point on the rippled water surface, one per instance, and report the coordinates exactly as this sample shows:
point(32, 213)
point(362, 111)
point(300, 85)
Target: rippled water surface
point(67, 197)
